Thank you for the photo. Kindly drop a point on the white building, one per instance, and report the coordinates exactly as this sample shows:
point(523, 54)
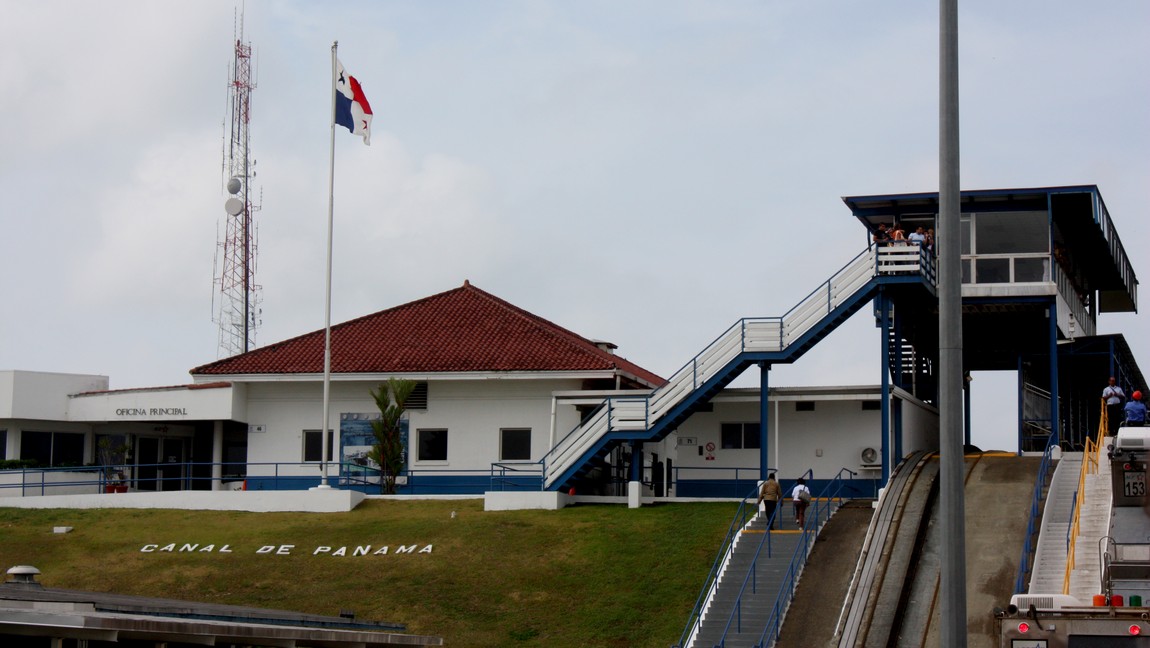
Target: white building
point(498, 388)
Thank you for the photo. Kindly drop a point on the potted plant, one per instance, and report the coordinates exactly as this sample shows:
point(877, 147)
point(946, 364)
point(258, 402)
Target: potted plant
point(112, 452)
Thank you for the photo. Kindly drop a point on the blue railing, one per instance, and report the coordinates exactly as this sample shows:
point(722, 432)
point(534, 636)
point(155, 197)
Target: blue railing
point(742, 515)
point(1026, 560)
point(516, 475)
point(748, 335)
point(822, 506)
point(291, 475)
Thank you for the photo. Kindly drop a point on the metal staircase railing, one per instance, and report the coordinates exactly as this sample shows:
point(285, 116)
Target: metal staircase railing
point(822, 506)
point(794, 332)
point(1026, 560)
point(743, 515)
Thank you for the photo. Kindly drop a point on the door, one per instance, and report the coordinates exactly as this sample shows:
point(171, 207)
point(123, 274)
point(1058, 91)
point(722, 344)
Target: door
point(173, 470)
point(160, 463)
point(147, 451)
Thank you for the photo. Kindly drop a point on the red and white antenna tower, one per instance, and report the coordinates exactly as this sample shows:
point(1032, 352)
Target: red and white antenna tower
point(237, 311)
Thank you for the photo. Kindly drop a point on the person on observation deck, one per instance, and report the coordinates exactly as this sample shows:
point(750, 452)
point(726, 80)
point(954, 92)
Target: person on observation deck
point(881, 235)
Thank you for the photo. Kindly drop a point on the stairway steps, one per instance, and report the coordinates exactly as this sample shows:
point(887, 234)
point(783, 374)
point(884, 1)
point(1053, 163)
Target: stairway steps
point(757, 607)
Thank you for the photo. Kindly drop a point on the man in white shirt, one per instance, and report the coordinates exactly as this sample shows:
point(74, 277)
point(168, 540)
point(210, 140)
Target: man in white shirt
point(918, 237)
point(1114, 397)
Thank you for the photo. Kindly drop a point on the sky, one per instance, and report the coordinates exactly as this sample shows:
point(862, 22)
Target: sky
point(645, 172)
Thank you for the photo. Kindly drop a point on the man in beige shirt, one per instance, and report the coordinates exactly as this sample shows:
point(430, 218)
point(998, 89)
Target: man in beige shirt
point(769, 494)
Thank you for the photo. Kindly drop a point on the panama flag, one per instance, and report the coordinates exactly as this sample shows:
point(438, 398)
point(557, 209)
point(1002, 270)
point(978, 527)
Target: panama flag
point(351, 107)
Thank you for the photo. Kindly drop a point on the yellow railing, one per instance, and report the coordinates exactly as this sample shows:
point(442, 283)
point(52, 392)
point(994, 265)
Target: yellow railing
point(1090, 456)
point(1103, 422)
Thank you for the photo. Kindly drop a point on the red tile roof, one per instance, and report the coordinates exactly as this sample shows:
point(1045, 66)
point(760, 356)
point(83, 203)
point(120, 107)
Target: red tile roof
point(460, 330)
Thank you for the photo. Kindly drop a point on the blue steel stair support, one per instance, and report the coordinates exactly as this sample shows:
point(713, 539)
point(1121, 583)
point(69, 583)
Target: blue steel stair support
point(773, 340)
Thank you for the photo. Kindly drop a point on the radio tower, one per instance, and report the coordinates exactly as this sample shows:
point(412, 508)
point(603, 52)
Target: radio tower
point(237, 312)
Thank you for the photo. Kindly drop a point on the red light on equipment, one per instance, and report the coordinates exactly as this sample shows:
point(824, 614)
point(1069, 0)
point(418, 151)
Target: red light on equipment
point(1126, 466)
point(1024, 627)
point(1135, 629)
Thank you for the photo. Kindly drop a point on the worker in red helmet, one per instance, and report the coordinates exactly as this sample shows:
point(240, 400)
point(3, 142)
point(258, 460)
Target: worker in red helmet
point(1135, 411)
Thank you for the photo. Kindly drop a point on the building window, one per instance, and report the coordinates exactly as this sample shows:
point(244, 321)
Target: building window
point(804, 406)
point(515, 444)
point(992, 270)
point(1011, 232)
point(736, 436)
point(871, 405)
point(52, 448)
point(313, 445)
point(3, 444)
point(432, 445)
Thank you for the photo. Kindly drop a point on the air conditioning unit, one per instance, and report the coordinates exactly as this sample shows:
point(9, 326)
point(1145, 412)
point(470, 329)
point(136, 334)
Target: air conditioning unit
point(869, 458)
point(1044, 602)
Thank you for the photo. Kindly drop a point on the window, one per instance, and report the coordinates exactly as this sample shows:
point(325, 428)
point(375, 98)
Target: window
point(1011, 233)
point(996, 270)
point(3, 444)
point(515, 444)
point(432, 445)
point(313, 445)
point(871, 405)
point(1030, 269)
point(804, 406)
point(737, 436)
point(53, 448)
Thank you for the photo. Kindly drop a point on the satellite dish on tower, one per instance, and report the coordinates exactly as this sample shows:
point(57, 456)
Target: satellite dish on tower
point(234, 186)
point(234, 206)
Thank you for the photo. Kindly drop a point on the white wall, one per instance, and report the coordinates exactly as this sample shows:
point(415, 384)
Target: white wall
point(43, 395)
point(179, 404)
point(473, 412)
point(825, 440)
point(919, 428)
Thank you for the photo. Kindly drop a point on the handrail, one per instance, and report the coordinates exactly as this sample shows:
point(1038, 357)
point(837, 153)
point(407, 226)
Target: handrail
point(1025, 560)
point(758, 334)
point(512, 473)
point(832, 493)
point(828, 500)
point(1089, 467)
point(1090, 458)
point(737, 523)
point(1078, 312)
point(736, 616)
point(284, 475)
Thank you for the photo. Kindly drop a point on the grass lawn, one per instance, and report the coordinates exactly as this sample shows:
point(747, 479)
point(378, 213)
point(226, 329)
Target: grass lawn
point(583, 576)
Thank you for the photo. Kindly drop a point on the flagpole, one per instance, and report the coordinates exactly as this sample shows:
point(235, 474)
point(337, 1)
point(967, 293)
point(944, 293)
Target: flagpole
point(327, 292)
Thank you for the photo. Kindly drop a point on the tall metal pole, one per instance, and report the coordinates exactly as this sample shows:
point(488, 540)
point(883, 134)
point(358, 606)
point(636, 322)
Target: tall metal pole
point(953, 573)
point(327, 291)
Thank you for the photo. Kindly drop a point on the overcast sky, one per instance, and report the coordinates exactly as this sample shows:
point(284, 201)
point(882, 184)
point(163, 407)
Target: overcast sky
point(644, 172)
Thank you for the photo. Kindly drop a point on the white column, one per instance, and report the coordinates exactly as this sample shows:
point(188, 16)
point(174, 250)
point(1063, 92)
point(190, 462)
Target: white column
point(634, 494)
point(217, 455)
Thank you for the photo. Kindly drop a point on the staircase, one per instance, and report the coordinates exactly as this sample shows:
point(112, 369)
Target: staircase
point(736, 615)
point(771, 340)
point(1049, 571)
point(911, 370)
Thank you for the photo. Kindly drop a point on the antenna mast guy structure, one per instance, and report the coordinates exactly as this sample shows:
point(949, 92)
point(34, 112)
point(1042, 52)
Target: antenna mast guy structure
point(237, 312)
